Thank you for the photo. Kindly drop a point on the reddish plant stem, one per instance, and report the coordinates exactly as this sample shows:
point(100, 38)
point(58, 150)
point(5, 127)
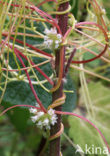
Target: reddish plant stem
point(28, 77)
point(30, 46)
point(62, 22)
point(69, 62)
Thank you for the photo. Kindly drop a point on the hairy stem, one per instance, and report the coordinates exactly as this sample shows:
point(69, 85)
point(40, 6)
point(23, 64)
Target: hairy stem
point(62, 22)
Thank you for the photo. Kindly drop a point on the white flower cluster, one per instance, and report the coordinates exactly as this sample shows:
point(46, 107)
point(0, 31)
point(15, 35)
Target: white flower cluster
point(52, 39)
point(103, 11)
point(43, 120)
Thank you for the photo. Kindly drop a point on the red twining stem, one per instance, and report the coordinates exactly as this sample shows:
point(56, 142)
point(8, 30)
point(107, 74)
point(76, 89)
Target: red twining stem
point(28, 77)
point(69, 62)
point(60, 75)
point(30, 46)
point(46, 16)
point(37, 68)
point(32, 88)
point(45, 1)
point(106, 39)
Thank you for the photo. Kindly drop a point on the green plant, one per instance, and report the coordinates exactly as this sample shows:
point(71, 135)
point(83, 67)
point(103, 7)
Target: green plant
point(54, 33)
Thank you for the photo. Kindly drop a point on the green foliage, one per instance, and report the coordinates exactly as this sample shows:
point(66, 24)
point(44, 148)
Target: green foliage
point(107, 7)
point(18, 117)
point(21, 137)
point(94, 63)
point(20, 93)
point(74, 5)
point(71, 98)
point(81, 132)
point(14, 143)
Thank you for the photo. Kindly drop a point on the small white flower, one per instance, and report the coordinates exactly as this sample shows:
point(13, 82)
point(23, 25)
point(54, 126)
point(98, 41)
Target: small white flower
point(46, 122)
point(39, 124)
point(48, 43)
point(33, 110)
point(53, 30)
point(46, 38)
point(52, 39)
point(64, 80)
point(53, 122)
point(56, 41)
point(56, 46)
point(103, 11)
point(46, 31)
point(48, 127)
point(59, 36)
point(51, 111)
point(34, 118)
point(39, 114)
point(76, 21)
point(36, 104)
point(54, 119)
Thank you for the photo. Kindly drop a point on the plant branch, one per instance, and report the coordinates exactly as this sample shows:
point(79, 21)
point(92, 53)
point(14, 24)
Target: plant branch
point(62, 22)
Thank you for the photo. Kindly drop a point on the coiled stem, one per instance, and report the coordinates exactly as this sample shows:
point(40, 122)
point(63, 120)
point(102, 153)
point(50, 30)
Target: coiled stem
point(58, 96)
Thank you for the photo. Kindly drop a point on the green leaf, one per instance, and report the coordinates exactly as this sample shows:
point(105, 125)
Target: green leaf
point(18, 116)
point(87, 56)
point(20, 93)
point(71, 98)
point(74, 4)
point(83, 133)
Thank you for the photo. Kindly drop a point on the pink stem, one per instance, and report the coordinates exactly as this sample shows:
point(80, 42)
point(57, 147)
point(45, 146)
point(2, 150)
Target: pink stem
point(106, 38)
point(83, 118)
point(37, 68)
point(30, 83)
point(32, 88)
point(63, 113)
point(45, 1)
point(17, 70)
point(17, 106)
point(67, 33)
point(30, 46)
point(42, 14)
